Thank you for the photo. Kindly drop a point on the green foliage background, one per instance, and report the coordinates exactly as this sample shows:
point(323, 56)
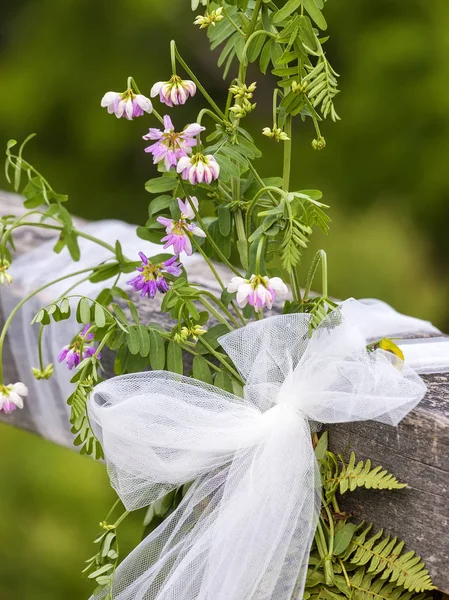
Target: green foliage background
point(383, 172)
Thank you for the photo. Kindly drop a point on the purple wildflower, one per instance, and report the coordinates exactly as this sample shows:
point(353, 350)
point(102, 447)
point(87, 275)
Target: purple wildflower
point(171, 146)
point(79, 349)
point(128, 104)
point(151, 279)
point(175, 91)
point(198, 168)
point(178, 232)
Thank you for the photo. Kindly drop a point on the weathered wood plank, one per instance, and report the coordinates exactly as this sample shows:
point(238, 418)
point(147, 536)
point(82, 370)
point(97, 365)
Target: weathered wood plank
point(416, 452)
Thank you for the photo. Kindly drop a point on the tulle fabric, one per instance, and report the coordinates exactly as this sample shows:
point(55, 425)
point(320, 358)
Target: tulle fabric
point(46, 401)
point(245, 527)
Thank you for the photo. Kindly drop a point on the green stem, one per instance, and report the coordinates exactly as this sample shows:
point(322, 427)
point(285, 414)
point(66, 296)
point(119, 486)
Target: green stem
point(319, 258)
point(121, 518)
point(212, 115)
point(259, 253)
point(186, 67)
point(295, 286)
point(221, 360)
point(215, 312)
point(265, 188)
point(21, 303)
point(233, 23)
point(39, 347)
point(223, 308)
point(76, 231)
point(287, 154)
point(209, 238)
point(173, 56)
point(209, 262)
point(114, 506)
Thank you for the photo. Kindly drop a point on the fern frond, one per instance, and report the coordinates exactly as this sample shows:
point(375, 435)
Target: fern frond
point(296, 237)
point(354, 475)
point(322, 81)
point(365, 586)
point(382, 556)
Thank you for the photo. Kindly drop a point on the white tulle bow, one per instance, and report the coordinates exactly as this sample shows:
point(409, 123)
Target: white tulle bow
point(245, 527)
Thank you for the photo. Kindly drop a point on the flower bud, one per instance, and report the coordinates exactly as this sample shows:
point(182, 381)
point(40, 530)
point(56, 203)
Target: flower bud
point(319, 144)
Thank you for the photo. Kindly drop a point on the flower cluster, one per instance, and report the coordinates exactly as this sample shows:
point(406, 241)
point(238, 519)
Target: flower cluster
point(178, 232)
point(173, 92)
point(44, 373)
point(79, 349)
point(210, 18)
point(275, 133)
point(128, 104)
point(193, 332)
point(151, 278)
point(11, 397)
point(169, 145)
point(258, 291)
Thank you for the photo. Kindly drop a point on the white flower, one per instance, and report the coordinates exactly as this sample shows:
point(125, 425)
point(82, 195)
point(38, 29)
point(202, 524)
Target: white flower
point(258, 291)
point(128, 104)
point(176, 91)
point(11, 397)
point(198, 168)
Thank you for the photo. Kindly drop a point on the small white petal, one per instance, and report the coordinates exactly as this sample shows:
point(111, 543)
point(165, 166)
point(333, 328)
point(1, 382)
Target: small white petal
point(278, 286)
point(193, 129)
point(120, 109)
point(189, 86)
point(109, 99)
point(235, 283)
point(129, 109)
point(144, 103)
point(16, 399)
point(242, 294)
point(183, 163)
point(198, 232)
point(200, 169)
point(156, 88)
point(20, 388)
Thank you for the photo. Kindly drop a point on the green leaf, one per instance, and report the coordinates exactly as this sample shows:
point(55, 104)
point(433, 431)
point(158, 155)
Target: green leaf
point(343, 537)
point(174, 358)
point(201, 370)
point(315, 13)
point(159, 204)
point(224, 219)
point(144, 341)
point(161, 184)
point(321, 447)
point(104, 272)
point(286, 11)
point(133, 340)
point(224, 382)
point(157, 351)
point(150, 235)
point(83, 311)
point(33, 193)
point(100, 317)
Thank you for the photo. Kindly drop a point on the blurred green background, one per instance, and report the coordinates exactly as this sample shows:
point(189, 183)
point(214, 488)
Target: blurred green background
point(384, 173)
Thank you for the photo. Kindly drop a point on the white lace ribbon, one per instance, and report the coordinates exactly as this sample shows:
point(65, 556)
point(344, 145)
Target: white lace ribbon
point(244, 529)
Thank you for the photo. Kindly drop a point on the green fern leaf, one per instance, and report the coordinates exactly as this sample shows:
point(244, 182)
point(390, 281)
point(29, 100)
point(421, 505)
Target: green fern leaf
point(382, 556)
point(357, 475)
